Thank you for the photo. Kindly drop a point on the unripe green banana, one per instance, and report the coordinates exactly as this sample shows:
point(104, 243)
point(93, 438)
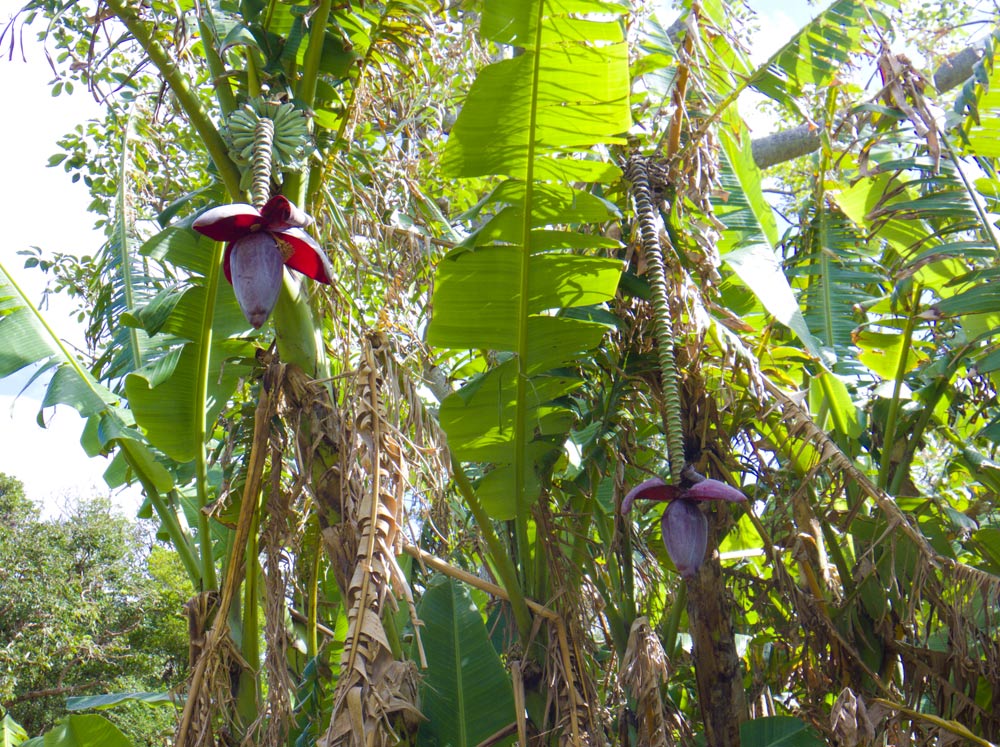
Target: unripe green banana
point(290, 145)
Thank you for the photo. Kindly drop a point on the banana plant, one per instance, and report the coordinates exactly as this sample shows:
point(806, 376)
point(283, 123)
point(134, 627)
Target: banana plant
point(281, 428)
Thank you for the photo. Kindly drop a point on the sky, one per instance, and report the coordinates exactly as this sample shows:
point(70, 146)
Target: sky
point(41, 207)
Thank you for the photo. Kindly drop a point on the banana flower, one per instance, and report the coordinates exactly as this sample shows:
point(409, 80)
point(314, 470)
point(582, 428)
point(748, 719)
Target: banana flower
point(685, 528)
point(259, 243)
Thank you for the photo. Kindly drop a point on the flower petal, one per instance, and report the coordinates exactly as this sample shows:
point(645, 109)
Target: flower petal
point(305, 255)
point(713, 490)
point(280, 213)
point(652, 489)
point(228, 222)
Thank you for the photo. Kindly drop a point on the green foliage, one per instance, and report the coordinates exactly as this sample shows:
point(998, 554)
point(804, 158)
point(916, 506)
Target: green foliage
point(843, 372)
point(15, 508)
point(466, 695)
point(83, 731)
point(516, 285)
point(11, 732)
point(778, 731)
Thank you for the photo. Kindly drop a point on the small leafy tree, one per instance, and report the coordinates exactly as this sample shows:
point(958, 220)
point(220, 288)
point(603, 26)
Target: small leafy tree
point(85, 609)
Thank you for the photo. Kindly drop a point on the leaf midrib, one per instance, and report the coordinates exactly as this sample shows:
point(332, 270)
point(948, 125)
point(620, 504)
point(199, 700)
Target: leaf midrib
point(460, 690)
point(520, 421)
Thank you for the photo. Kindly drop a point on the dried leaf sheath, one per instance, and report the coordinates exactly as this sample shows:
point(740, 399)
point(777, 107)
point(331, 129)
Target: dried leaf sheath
point(376, 695)
point(644, 671)
point(276, 536)
point(218, 660)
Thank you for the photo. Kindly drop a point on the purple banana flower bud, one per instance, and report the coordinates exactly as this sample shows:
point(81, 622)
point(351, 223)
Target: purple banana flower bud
point(259, 244)
point(685, 535)
point(255, 268)
point(685, 528)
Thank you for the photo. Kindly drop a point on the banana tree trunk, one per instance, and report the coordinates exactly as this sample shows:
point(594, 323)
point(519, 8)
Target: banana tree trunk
point(717, 665)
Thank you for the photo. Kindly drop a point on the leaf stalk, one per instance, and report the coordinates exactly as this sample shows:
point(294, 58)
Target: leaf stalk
point(501, 560)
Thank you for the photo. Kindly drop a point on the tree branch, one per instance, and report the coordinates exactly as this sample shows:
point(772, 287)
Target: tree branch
point(785, 145)
point(53, 691)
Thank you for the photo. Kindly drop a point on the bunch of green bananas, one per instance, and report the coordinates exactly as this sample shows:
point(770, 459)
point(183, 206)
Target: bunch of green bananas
point(290, 144)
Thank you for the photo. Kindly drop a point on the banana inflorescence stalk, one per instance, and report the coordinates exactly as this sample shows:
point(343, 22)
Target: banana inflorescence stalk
point(263, 142)
point(649, 238)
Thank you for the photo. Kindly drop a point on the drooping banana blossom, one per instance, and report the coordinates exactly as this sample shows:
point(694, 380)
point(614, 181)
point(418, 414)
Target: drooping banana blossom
point(685, 528)
point(259, 244)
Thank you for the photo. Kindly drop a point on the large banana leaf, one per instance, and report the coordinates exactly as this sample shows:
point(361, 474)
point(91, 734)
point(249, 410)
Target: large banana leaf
point(124, 283)
point(178, 393)
point(979, 103)
point(88, 730)
point(772, 731)
point(810, 58)
point(466, 694)
point(976, 300)
point(927, 223)
point(838, 274)
point(510, 287)
point(11, 732)
point(749, 246)
point(26, 339)
point(817, 53)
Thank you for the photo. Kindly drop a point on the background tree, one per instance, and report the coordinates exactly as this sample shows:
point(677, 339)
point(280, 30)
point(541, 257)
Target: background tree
point(86, 608)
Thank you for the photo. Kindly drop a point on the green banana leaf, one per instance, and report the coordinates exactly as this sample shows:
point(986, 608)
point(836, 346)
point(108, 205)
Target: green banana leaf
point(11, 733)
point(812, 57)
point(778, 731)
point(175, 395)
point(508, 287)
point(749, 245)
point(110, 700)
point(466, 694)
point(89, 730)
point(979, 103)
point(26, 339)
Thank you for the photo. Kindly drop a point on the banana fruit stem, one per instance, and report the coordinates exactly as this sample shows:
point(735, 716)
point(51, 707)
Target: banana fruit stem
point(260, 188)
point(649, 237)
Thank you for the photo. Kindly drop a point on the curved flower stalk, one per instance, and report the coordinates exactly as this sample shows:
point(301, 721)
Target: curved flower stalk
point(649, 237)
point(685, 529)
point(260, 243)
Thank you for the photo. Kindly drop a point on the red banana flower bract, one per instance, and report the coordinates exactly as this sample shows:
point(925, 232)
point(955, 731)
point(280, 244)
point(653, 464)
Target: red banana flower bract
point(259, 244)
